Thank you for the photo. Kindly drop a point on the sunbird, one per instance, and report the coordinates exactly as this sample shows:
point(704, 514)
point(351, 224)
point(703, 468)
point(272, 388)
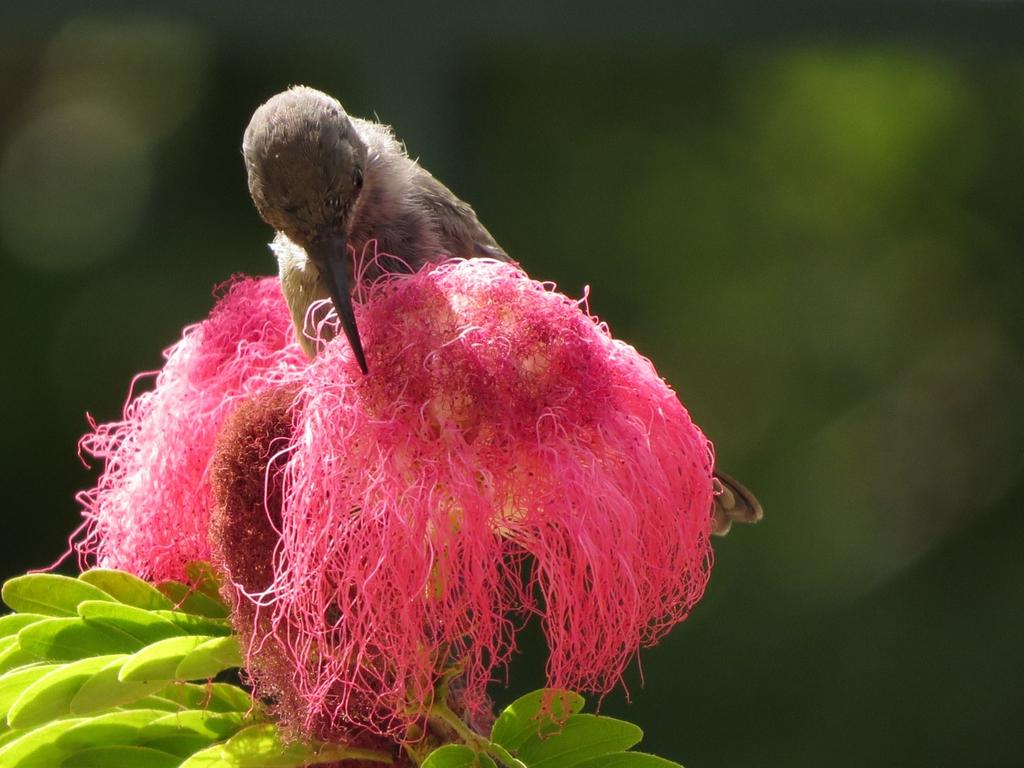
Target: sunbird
point(330, 183)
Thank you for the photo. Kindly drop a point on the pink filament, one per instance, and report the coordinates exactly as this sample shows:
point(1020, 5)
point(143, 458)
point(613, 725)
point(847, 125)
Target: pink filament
point(504, 457)
point(150, 510)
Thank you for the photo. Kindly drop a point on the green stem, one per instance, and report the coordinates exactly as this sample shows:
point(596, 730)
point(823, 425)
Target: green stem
point(414, 754)
point(502, 755)
point(441, 711)
point(413, 745)
point(357, 753)
point(473, 739)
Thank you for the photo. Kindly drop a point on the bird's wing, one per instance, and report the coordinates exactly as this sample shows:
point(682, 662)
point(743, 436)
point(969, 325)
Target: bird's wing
point(456, 222)
point(733, 503)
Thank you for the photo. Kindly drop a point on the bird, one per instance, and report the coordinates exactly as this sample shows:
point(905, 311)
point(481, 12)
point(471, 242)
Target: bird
point(328, 183)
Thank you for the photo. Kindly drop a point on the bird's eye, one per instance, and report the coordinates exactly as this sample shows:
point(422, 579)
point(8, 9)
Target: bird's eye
point(357, 178)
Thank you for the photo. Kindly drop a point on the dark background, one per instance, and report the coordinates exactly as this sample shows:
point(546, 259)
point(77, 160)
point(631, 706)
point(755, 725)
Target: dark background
point(807, 214)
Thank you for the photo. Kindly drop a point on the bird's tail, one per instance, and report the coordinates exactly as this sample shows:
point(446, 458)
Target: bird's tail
point(732, 503)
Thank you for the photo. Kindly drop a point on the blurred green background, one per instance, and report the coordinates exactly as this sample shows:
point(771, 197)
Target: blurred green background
point(808, 215)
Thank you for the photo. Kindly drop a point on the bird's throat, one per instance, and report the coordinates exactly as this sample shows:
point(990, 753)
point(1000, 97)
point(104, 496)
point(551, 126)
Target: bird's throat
point(302, 286)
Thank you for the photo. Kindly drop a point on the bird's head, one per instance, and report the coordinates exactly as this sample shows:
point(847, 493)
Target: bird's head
point(305, 163)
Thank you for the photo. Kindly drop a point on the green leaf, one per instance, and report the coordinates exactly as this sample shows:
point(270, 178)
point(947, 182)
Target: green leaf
point(50, 696)
point(121, 757)
point(213, 697)
point(190, 600)
point(144, 626)
point(15, 682)
point(456, 756)
point(15, 657)
point(162, 703)
point(49, 594)
point(215, 726)
point(13, 622)
point(183, 745)
point(204, 578)
point(104, 689)
point(37, 748)
point(11, 653)
point(260, 746)
point(119, 727)
point(210, 658)
point(583, 737)
point(541, 711)
point(185, 733)
point(192, 624)
point(72, 638)
point(256, 746)
point(224, 697)
point(160, 660)
point(127, 589)
point(10, 735)
point(628, 760)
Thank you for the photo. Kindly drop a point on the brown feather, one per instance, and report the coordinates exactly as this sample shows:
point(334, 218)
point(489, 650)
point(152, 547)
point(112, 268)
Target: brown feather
point(732, 503)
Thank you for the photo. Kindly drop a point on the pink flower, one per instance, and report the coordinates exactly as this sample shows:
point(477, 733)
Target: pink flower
point(150, 510)
point(505, 457)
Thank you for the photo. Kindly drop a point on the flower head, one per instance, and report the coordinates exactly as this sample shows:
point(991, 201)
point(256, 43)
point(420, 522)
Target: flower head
point(505, 457)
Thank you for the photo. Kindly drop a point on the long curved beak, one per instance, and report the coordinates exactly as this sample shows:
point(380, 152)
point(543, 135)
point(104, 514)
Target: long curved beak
point(329, 255)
